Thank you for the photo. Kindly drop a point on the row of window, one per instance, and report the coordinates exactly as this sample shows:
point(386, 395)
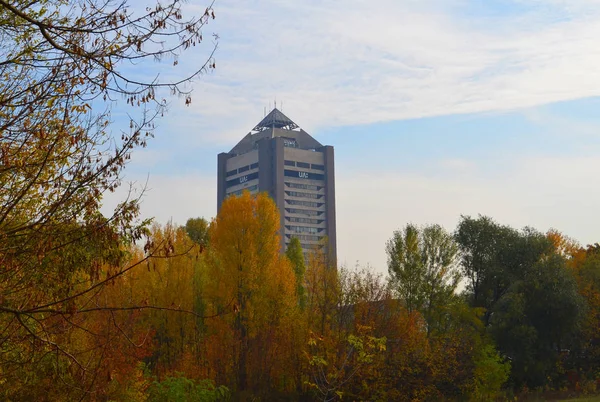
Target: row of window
point(305, 203)
point(302, 194)
point(242, 169)
point(303, 175)
point(289, 142)
point(303, 186)
point(306, 248)
point(239, 192)
point(241, 180)
point(304, 220)
point(305, 237)
point(304, 165)
point(304, 229)
point(307, 212)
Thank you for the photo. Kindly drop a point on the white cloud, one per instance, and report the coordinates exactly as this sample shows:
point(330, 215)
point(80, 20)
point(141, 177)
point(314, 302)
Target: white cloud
point(357, 62)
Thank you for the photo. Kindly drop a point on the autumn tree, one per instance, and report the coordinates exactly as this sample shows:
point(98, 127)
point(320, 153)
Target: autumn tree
point(322, 289)
point(345, 345)
point(63, 68)
point(584, 263)
point(563, 245)
point(335, 364)
point(252, 279)
point(158, 348)
point(175, 283)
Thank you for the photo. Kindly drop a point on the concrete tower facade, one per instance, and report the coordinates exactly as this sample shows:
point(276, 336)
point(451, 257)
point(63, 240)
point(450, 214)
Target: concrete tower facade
point(295, 169)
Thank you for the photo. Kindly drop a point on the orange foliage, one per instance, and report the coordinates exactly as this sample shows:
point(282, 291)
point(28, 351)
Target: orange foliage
point(563, 245)
point(251, 281)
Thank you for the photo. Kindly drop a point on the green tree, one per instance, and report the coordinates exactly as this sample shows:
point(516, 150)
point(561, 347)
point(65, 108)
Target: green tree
point(489, 375)
point(536, 319)
point(296, 256)
point(481, 241)
point(493, 256)
point(406, 268)
point(532, 307)
point(197, 230)
point(182, 389)
point(422, 264)
point(439, 256)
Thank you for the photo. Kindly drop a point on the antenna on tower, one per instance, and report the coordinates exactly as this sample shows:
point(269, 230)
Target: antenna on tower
point(275, 102)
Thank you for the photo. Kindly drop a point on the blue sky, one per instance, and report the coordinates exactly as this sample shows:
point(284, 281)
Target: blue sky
point(436, 108)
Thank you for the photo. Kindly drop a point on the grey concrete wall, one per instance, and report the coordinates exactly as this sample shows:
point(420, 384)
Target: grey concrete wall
point(303, 155)
point(221, 169)
point(265, 167)
point(238, 161)
point(330, 201)
point(278, 193)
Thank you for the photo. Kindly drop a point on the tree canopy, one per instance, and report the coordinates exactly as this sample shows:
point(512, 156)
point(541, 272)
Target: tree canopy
point(64, 66)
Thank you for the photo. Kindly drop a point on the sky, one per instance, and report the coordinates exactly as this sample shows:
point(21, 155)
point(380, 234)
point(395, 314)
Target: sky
point(435, 108)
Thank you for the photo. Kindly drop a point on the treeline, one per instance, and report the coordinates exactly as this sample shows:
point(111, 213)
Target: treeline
point(111, 308)
point(213, 311)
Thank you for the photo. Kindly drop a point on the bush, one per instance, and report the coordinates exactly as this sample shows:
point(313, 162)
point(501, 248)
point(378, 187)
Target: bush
point(182, 389)
point(490, 373)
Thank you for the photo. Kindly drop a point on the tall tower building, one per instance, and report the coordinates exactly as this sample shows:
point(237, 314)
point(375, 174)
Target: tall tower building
point(294, 168)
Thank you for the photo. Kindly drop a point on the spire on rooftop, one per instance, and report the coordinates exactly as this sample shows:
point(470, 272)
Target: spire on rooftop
point(275, 119)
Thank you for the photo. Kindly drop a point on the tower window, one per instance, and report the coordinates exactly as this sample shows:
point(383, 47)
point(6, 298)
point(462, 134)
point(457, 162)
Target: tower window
point(303, 194)
point(303, 229)
point(304, 220)
point(289, 142)
point(303, 186)
point(307, 212)
point(305, 203)
point(305, 237)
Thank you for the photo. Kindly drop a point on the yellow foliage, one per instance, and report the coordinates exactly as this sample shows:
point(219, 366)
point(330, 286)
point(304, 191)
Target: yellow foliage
point(255, 286)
